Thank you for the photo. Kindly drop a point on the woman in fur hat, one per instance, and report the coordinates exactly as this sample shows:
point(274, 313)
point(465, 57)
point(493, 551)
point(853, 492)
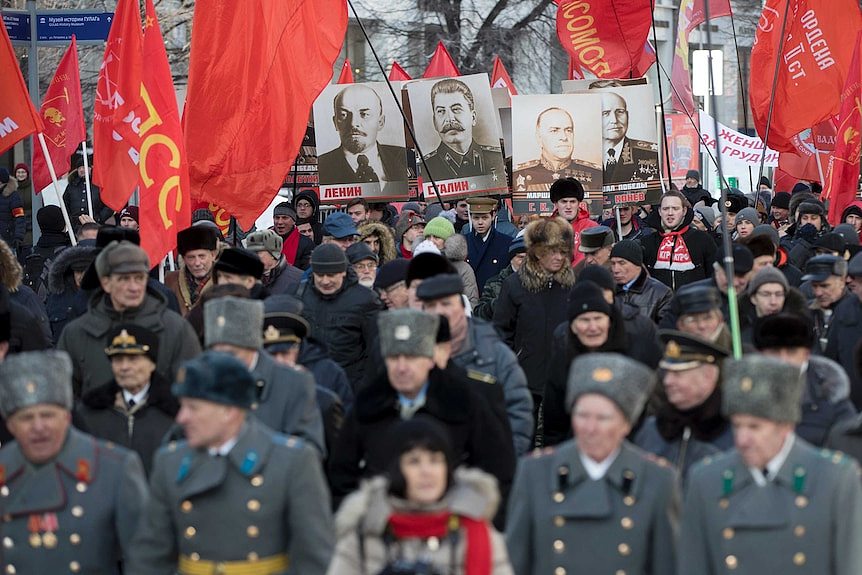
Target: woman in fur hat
point(533, 300)
point(379, 238)
point(423, 516)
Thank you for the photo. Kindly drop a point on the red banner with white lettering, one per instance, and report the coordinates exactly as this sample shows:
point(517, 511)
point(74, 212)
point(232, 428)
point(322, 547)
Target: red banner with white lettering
point(605, 38)
point(692, 13)
point(116, 143)
point(62, 112)
point(842, 179)
point(165, 206)
point(812, 65)
point(500, 77)
point(18, 117)
point(441, 64)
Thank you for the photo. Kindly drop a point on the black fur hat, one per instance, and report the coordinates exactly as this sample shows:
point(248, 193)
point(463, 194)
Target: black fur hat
point(783, 330)
point(216, 377)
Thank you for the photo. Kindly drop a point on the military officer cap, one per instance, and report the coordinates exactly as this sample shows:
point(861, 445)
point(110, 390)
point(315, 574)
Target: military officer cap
point(35, 377)
point(693, 299)
point(439, 286)
point(407, 332)
point(133, 339)
point(217, 377)
point(595, 238)
point(819, 268)
point(763, 387)
point(235, 321)
point(567, 188)
point(283, 324)
point(122, 258)
point(683, 351)
point(626, 382)
point(482, 205)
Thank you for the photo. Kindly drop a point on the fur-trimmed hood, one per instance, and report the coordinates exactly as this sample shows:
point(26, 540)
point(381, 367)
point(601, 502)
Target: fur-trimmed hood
point(455, 248)
point(62, 265)
point(387, 240)
point(555, 233)
point(10, 270)
point(473, 494)
point(10, 186)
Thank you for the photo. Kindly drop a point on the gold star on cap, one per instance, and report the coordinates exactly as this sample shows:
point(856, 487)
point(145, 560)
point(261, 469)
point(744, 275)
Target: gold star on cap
point(745, 384)
point(181, 375)
point(271, 334)
point(124, 339)
point(673, 350)
point(402, 332)
point(30, 386)
point(221, 321)
point(603, 375)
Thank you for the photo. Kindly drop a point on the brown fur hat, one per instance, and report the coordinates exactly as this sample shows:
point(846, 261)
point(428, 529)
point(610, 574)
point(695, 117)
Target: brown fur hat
point(555, 233)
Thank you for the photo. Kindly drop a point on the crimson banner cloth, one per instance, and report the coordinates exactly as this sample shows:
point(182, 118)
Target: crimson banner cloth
point(269, 60)
point(812, 65)
point(441, 65)
point(500, 77)
point(346, 75)
point(18, 117)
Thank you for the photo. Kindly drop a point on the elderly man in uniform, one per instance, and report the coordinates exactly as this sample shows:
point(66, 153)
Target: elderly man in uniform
point(596, 504)
point(774, 503)
point(487, 248)
point(453, 109)
point(235, 496)
point(70, 503)
point(555, 133)
point(626, 159)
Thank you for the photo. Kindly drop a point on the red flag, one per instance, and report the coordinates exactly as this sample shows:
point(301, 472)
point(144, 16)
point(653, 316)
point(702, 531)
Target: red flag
point(692, 14)
point(606, 39)
point(575, 72)
point(842, 179)
point(801, 163)
point(18, 117)
point(647, 60)
point(814, 61)
point(165, 205)
point(115, 139)
point(398, 74)
point(346, 76)
point(500, 77)
point(63, 113)
point(254, 55)
point(441, 65)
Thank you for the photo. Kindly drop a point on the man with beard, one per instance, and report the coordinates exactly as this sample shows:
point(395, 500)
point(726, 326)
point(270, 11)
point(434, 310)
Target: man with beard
point(458, 155)
point(358, 117)
point(625, 159)
point(364, 263)
point(555, 133)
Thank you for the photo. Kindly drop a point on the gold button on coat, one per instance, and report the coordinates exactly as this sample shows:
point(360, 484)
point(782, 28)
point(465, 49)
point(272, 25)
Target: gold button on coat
point(799, 530)
point(620, 572)
point(629, 500)
point(186, 506)
point(624, 549)
point(627, 522)
point(10, 569)
point(559, 497)
point(190, 532)
point(799, 559)
point(74, 539)
point(560, 571)
point(8, 543)
point(252, 531)
point(78, 511)
point(559, 546)
point(727, 533)
point(81, 487)
point(195, 557)
point(802, 501)
point(731, 562)
point(257, 481)
point(253, 505)
point(74, 566)
point(559, 521)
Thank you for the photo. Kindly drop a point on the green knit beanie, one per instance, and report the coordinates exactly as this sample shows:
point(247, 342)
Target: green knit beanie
point(439, 227)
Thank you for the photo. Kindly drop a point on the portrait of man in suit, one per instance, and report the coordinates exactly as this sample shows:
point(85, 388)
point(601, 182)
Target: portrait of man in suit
point(358, 117)
point(625, 159)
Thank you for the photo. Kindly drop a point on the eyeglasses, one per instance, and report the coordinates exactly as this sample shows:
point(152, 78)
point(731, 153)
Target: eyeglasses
point(365, 267)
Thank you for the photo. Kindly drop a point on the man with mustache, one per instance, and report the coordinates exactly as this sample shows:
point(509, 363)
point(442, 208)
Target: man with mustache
point(358, 117)
point(555, 133)
point(625, 159)
point(459, 155)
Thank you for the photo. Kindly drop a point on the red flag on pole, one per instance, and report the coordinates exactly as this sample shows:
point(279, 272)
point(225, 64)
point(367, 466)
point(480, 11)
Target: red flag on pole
point(63, 113)
point(691, 15)
point(500, 77)
point(165, 205)
point(842, 176)
point(441, 65)
point(398, 74)
point(346, 76)
point(254, 54)
point(18, 117)
point(813, 64)
point(115, 139)
point(647, 60)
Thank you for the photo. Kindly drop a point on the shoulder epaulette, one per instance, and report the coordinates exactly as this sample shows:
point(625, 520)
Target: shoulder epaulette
point(481, 376)
point(527, 165)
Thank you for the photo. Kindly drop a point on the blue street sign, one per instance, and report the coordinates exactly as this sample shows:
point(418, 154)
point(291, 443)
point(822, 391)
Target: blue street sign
point(17, 24)
point(60, 26)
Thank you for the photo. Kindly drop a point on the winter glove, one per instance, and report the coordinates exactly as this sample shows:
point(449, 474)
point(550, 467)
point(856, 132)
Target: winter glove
point(807, 233)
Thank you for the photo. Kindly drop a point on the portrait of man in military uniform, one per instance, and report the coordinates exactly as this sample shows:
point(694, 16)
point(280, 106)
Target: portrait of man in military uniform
point(555, 135)
point(460, 138)
point(358, 114)
point(625, 159)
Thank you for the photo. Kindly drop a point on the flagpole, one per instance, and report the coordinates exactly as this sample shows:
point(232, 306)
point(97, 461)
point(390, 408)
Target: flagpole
point(817, 157)
point(725, 236)
point(398, 103)
point(774, 85)
point(51, 171)
point(87, 181)
point(660, 95)
point(744, 98)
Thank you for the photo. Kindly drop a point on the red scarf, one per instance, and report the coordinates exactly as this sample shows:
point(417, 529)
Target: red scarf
point(478, 559)
point(291, 243)
point(405, 253)
point(673, 254)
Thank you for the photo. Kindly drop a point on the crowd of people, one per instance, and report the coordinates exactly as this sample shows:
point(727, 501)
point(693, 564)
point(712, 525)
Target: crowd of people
point(434, 389)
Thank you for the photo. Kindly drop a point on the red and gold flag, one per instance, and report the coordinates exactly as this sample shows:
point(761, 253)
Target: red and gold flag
point(165, 205)
point(63, 116)
point(441, 65)
point(18, 117)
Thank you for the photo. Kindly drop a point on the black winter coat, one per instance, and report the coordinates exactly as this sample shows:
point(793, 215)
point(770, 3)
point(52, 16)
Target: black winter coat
point(845, 334)
point(701, 247)
point(13, 222)
point(327, 373)
point(75, 198)
point(346, 322)
point(651, 297)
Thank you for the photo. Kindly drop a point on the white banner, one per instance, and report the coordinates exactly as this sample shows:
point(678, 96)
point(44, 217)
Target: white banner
point(738, 151)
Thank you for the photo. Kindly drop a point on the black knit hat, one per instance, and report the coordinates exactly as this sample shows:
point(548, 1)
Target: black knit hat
point(760, 245)
point(587, 297)
point(783, 330)
point(50, 219)
point(424, 266)
point(599, 275)
point(328, 259)
point(391, 273)
point(764, 181)
point(781, 200)
point(566, 188)
point(628, 250)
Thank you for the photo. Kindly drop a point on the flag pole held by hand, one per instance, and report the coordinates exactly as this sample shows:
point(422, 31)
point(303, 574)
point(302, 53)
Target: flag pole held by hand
point(63, 209)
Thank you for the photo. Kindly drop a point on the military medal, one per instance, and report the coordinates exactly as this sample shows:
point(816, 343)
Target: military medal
point(34, 527)
point(50, 525)
point(49, 540)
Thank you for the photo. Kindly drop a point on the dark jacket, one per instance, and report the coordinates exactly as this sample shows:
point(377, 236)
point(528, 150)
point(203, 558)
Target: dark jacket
point(697, 194)
point(283, 278)
point(650, 296)
point(37, 264)
point(316, 226)
point(530, 306)
point(701, 248)
point(304, 247)
point(843, 340)
point(639, 228)
point(327, 373)
point(489, 257)
point(13, 223)
point(488, 299)
point(141, 427)
point(477, 438)
point(846, 437)
point(22, 336)
point(85, 338)
point(825, 400)
point(346, 322)
point(75, 198)
point(61, 286)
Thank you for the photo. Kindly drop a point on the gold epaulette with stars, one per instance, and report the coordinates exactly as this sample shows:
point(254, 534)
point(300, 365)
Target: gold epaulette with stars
point(480, 376)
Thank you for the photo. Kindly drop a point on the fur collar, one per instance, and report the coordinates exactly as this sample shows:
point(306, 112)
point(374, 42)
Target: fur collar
point(159, 396)
point(473, 494)
point(535, 279)
point(10, 270)
point(61, 268)
point(444, 399)
point(10, 187)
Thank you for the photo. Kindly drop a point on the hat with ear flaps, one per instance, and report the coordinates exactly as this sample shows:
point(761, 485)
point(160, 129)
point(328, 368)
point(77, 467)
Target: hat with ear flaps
point(554, 233)
point(35, 377)
point(217, 377)
point(763, 387)
point(626, 382)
